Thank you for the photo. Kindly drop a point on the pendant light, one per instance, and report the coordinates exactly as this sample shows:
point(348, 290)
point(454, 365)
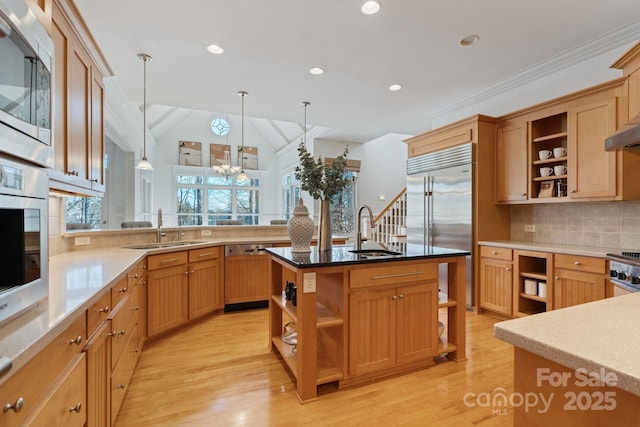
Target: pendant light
point(305, 104)
point(242, 178)
point(144, 164)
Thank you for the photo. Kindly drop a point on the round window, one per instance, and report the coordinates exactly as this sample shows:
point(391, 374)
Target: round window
point(219, 126)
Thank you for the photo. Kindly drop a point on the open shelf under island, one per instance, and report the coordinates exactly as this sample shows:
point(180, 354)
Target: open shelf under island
point(359, 317)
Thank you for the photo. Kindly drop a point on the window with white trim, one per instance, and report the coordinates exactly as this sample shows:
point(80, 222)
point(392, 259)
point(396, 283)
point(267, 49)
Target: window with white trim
point(204, 199)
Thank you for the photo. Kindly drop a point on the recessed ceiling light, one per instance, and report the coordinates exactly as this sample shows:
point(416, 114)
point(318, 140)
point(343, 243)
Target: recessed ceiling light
point(469, 40)
point(215, 49)
point(395, 87)
point(316, 70)
point(370, 7)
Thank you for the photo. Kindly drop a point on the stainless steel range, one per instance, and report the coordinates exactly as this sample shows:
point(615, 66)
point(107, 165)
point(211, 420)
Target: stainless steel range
point(625, 270)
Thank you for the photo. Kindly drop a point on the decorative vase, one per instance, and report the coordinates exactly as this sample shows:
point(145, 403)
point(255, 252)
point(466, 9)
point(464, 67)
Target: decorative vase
point(324, 226)
point(300, 228)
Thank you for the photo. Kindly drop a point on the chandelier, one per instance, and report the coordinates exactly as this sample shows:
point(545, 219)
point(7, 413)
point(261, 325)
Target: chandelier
point(225, 168)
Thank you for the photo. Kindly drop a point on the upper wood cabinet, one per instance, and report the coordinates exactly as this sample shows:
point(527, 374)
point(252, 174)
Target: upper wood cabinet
point(580, 170)
point(629, 63)
point(512, 162)
point(78, 113)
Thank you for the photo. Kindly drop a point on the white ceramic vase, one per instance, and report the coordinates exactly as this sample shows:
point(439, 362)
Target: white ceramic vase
point(300, 228)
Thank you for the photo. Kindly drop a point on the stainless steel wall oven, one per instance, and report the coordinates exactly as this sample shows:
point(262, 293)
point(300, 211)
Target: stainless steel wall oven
point(23, 230)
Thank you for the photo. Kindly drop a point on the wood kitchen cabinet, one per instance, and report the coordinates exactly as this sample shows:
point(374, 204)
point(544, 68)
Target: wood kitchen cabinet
point(578, 279)
point(496, 280)
point(78, 113)
point(45, 378)
point(392, 326)
point(206, 280)
point(592, 171)
point(183, 286)
point(98, 352)
point(393, 317)
point(246, 278)
point(537, 267)
point(167, 292)
point(512, 162)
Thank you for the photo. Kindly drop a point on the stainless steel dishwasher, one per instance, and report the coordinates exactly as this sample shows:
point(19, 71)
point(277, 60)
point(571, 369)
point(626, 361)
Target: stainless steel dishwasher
point(247, 277)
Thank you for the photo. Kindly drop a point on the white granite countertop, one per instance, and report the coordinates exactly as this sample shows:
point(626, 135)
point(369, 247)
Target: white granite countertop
point(600, 334)
point(559, 248)
point(77, 279)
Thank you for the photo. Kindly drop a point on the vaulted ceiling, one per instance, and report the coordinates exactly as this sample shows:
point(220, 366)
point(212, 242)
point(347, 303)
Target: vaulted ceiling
point(271, 45)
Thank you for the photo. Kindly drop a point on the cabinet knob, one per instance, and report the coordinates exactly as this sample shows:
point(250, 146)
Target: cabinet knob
point(557, 277)
point(394, 297)
point(523, 194)
point(95, 180)
point(135, 276)
point(136, 308)
point(121, 332)
point(76, 408)
point(494, 252)
point(77, 340)
point(573, 191)
point(104, 310)
point(15, 407)
point(577, 263)
point(121, 386)
point(507, 269)
point(113, 334)
point(192, 271)
point(122, 290)
point(186, 273)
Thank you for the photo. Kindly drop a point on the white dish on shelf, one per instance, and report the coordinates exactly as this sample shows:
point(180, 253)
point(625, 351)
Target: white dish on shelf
point(530, 287)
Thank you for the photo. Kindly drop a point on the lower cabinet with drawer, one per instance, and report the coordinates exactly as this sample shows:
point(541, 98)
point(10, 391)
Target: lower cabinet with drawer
point(44, 378)
point(393, 317)
point(578, 279)
point(496, 280)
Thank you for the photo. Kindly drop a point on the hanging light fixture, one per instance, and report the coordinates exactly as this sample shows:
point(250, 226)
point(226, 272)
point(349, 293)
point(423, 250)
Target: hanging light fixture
point(243, 176)
point(226, 168)
point(144, 163)
point(305, 104)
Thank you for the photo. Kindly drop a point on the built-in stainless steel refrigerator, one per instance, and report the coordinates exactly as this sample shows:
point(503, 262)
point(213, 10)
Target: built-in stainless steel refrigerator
point(439, 204)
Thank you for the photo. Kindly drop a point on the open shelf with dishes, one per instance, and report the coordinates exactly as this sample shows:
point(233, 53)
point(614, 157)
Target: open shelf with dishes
point(532, 283)
point(548, 137)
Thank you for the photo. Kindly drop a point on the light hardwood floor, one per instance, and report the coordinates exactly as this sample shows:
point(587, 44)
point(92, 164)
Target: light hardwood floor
point(220, 372)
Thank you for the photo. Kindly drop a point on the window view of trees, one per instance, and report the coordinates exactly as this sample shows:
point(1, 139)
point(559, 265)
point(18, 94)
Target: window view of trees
point(83, 212)
point(225, 199)
point(343, 208)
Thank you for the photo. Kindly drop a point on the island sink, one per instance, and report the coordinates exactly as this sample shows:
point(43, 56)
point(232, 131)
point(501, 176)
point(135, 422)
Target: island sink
point(375, 252)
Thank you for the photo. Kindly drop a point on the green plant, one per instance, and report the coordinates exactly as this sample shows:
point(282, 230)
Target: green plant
point(320, 180)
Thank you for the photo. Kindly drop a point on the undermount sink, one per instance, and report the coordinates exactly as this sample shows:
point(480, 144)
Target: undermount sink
point(375, 252)
point(161, 245)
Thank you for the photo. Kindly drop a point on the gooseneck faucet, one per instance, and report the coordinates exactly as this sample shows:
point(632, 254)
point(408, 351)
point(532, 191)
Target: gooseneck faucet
point(159, 231)
point(359, 225)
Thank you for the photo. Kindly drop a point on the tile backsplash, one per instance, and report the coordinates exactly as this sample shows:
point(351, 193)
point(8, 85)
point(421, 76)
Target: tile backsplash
point(602, 224)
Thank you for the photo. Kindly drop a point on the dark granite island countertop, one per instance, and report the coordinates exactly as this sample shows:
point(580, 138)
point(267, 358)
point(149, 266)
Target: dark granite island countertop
point(344, 255)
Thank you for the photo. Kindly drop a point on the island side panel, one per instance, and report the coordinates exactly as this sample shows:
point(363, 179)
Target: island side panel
point(553, 394)
point(457, 315)
point(307, 348)
point(275, 316)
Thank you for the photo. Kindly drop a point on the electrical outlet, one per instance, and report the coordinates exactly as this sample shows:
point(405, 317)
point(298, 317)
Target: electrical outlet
point(205, 232)
point(82, 240)
point(530, 228)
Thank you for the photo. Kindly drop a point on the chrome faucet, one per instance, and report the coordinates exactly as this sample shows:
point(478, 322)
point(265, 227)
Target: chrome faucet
point(159, 231)
point(359, 225)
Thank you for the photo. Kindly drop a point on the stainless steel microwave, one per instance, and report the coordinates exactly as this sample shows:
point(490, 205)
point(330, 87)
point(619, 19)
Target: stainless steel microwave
point(24, 280)
point(25, 84)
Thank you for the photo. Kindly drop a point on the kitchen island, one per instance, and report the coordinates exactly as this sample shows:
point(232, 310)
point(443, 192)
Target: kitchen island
point(364, 316)
point(577, 366)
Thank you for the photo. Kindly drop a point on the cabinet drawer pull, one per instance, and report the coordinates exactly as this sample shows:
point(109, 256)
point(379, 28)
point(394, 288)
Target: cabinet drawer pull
point(577, 263)
point(77, 340)
point(507, 269)
point(15, 407)
point(557, 277)
point(401, 296)
point(104, 310)
point(113, 334)
point(394, 297)
point(415, 273)
point(207, 254)
point(136, 308)
point(494, 252)
point(76, 408)
point(121, 386)
point(165, 261)
point(135, 276)
point(95, 180)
